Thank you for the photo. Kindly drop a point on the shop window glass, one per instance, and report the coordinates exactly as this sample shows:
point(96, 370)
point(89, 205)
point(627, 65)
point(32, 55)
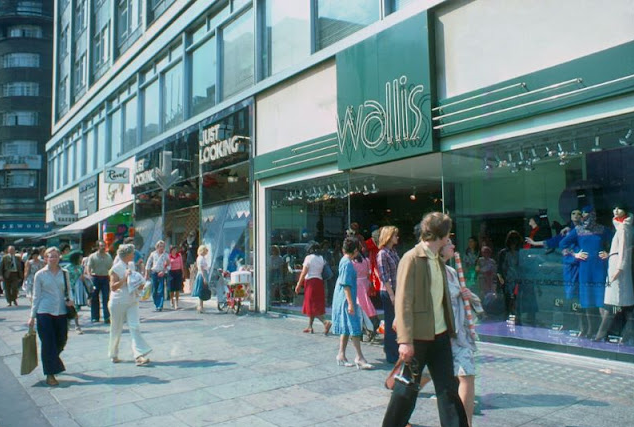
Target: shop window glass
point(204, 76)
point(115, 135)
point(238, 66)
point(336, 20)
point(130, 129)
point(287, 34)
point(151, 111)
point(173, 96)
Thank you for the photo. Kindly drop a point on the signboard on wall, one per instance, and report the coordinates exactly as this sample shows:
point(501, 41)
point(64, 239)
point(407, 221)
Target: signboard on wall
point(384, 96)
point(117, 176)
point(111, 194)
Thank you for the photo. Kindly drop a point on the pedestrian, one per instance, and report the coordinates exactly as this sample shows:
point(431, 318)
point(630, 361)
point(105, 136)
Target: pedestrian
point(124, 306)
point(99, 264)
point(32, 266)
point(202, 276)
point(387, 262)
point(80, 291)
point(12, 271)
point(425, 323)
point(314, 292)
point(463, 346)
point(362, 266)
point(175, 276)
point(345, 310)
point(157, 267)
point(51, 288)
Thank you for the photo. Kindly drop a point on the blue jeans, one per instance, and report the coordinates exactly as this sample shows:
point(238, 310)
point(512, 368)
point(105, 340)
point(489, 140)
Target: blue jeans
point(389, 342)
point(53, 333)
point(102, 284)
point(158, 290)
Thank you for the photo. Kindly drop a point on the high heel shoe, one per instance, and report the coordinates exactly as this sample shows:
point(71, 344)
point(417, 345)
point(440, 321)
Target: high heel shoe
point(344, 362)
point(363, 365)
point(327, 327)
point(308, 331)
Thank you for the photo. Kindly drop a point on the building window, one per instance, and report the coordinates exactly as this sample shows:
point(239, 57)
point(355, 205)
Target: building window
point(173, 96)
point(19, 179)
point(130, 125)
point(28, 31)
point(204, 77)
point(238, 55)
point(26, 7)
point(102, 47)
point(14, 60)
point(80, 16)
point(150, 111)
point(19, 118)
point(21, 89)
point(62, 95)
point(337, 20)
point(115, 135)
point(63, 43)
point(286, 38)
point(100, 148)
point(80, 72)
point(18, 148)
point(129, 18)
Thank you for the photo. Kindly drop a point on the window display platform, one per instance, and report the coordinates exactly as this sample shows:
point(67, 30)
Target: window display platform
point(547, 339)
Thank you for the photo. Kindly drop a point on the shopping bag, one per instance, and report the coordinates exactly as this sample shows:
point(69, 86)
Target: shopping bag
point(147, 291)
point(29, 352)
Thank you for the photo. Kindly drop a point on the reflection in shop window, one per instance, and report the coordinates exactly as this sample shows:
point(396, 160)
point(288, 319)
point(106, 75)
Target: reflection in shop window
point(238, 66)
point(337, 20)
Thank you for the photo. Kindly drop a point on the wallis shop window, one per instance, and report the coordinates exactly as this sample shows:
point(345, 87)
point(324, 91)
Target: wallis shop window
point(519, 208)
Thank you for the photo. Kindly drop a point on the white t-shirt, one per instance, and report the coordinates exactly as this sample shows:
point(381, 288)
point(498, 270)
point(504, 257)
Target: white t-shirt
point(121, 295)
point(315, 264)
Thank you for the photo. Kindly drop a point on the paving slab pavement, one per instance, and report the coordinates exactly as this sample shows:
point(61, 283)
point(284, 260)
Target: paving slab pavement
point(261, 370)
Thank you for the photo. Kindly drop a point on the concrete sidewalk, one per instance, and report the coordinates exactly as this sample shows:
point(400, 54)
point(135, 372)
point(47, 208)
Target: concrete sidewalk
point(261, 370)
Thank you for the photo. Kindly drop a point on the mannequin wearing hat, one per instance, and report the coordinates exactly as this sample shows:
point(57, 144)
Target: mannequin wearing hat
point(619, 291)
point(589, 242)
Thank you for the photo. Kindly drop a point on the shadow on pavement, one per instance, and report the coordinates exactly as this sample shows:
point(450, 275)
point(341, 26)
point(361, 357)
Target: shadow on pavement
point(191, 363)
point(88, 380)
point(493, 401)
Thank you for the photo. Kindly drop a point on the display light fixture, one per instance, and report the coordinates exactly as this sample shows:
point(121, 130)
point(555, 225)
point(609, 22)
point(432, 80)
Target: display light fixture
point(626, 141)
point(412, 196)
point(528, 166)
point(597, 147)
point(534, 156)
point(487, 166)
point(374, 190)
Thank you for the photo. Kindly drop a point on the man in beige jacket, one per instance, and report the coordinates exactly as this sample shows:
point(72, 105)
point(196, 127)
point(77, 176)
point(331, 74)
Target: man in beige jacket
point(425, 323)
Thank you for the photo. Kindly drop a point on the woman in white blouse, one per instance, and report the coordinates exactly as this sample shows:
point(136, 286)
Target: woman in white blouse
point(202, 277)
point(51, 290)
point(124, 307)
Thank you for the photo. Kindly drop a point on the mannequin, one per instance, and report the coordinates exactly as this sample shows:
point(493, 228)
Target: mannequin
point(591, 239)
point(619, 291)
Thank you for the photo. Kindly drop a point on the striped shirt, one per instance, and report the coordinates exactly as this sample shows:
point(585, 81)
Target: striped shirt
point(158, 263)
point(387, 263)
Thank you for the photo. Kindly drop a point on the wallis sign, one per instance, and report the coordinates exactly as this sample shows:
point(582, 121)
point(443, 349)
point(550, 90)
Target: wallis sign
point(383, 96)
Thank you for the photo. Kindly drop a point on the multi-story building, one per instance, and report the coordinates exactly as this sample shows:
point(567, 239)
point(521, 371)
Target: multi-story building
point(262, 125)
point(26, 40)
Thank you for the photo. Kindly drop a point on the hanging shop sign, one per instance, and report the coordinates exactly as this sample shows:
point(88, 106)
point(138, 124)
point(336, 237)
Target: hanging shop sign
point(88, 197)
point(114, 193)
point(117, 176)
point(24, 226)
point(384, 111)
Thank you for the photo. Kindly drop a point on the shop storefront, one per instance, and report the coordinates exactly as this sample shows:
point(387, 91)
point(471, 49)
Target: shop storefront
point(519, 155)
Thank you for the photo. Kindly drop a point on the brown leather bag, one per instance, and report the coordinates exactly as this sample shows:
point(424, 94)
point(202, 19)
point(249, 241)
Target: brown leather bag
point(396, 370)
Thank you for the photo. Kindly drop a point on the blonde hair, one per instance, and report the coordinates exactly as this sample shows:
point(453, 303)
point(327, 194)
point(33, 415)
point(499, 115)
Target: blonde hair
point(52, 249)
point(386, 235)
point(202, 249)
point(160, 242)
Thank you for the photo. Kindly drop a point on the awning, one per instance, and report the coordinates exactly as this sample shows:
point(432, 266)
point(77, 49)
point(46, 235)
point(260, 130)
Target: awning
point(78, 227)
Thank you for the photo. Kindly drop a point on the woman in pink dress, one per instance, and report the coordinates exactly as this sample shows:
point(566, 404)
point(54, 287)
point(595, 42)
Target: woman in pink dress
point(363, 268)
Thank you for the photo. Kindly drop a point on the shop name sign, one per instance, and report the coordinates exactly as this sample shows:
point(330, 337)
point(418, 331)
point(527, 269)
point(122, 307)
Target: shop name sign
point(117, 176)
point(398, 119)
point(143, 175)
point(216, 143)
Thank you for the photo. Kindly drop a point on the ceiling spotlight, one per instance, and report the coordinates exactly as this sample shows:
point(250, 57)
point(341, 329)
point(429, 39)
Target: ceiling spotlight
point(550, 153)
point(626, 140)
point(528, 166)
point(575, 149)
point(487, 166)
point(374, 190)
point(596, 147)
point(534, 156)
point(365, 190)
point(521, 162)
point(561, 152)
point(514, 168)
point(412, 196)
point(499, 161)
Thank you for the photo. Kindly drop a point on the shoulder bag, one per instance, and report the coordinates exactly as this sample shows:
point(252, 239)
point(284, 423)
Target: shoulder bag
point(71, 313)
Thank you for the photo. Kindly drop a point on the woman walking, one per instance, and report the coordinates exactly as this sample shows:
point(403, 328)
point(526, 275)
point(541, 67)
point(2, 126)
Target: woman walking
point(362, 267)
point(32, 266)
point(314, 293)
point(202, 277)
point(176, 276)
point(345, 310)
point(124, 307)
point(51, 288)
point(387, 262)
point(78, 285)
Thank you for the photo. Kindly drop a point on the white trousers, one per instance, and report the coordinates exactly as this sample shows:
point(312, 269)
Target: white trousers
point(129, 313)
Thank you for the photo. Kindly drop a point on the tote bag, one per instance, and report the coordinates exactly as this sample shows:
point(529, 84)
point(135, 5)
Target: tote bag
point(29, 352)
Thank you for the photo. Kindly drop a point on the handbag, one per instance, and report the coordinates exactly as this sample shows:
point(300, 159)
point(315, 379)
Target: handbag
point(147, 290)
point(71, 312)
point(205, 293)
point(405, 382)
point(29, 352)
point(326, 273)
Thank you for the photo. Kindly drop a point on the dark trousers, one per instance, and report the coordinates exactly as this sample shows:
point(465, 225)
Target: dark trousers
point(102, 285)
point(158, 290)
point(389, 342)
point(11, 285)
point(437, 356)
point(53, 333)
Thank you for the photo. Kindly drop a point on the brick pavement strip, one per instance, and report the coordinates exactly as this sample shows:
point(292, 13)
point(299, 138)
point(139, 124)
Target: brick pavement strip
point(261, 370)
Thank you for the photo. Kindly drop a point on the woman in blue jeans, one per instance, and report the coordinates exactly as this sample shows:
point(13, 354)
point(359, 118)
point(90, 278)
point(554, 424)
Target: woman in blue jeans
point(387, 262)
point(157, 267)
